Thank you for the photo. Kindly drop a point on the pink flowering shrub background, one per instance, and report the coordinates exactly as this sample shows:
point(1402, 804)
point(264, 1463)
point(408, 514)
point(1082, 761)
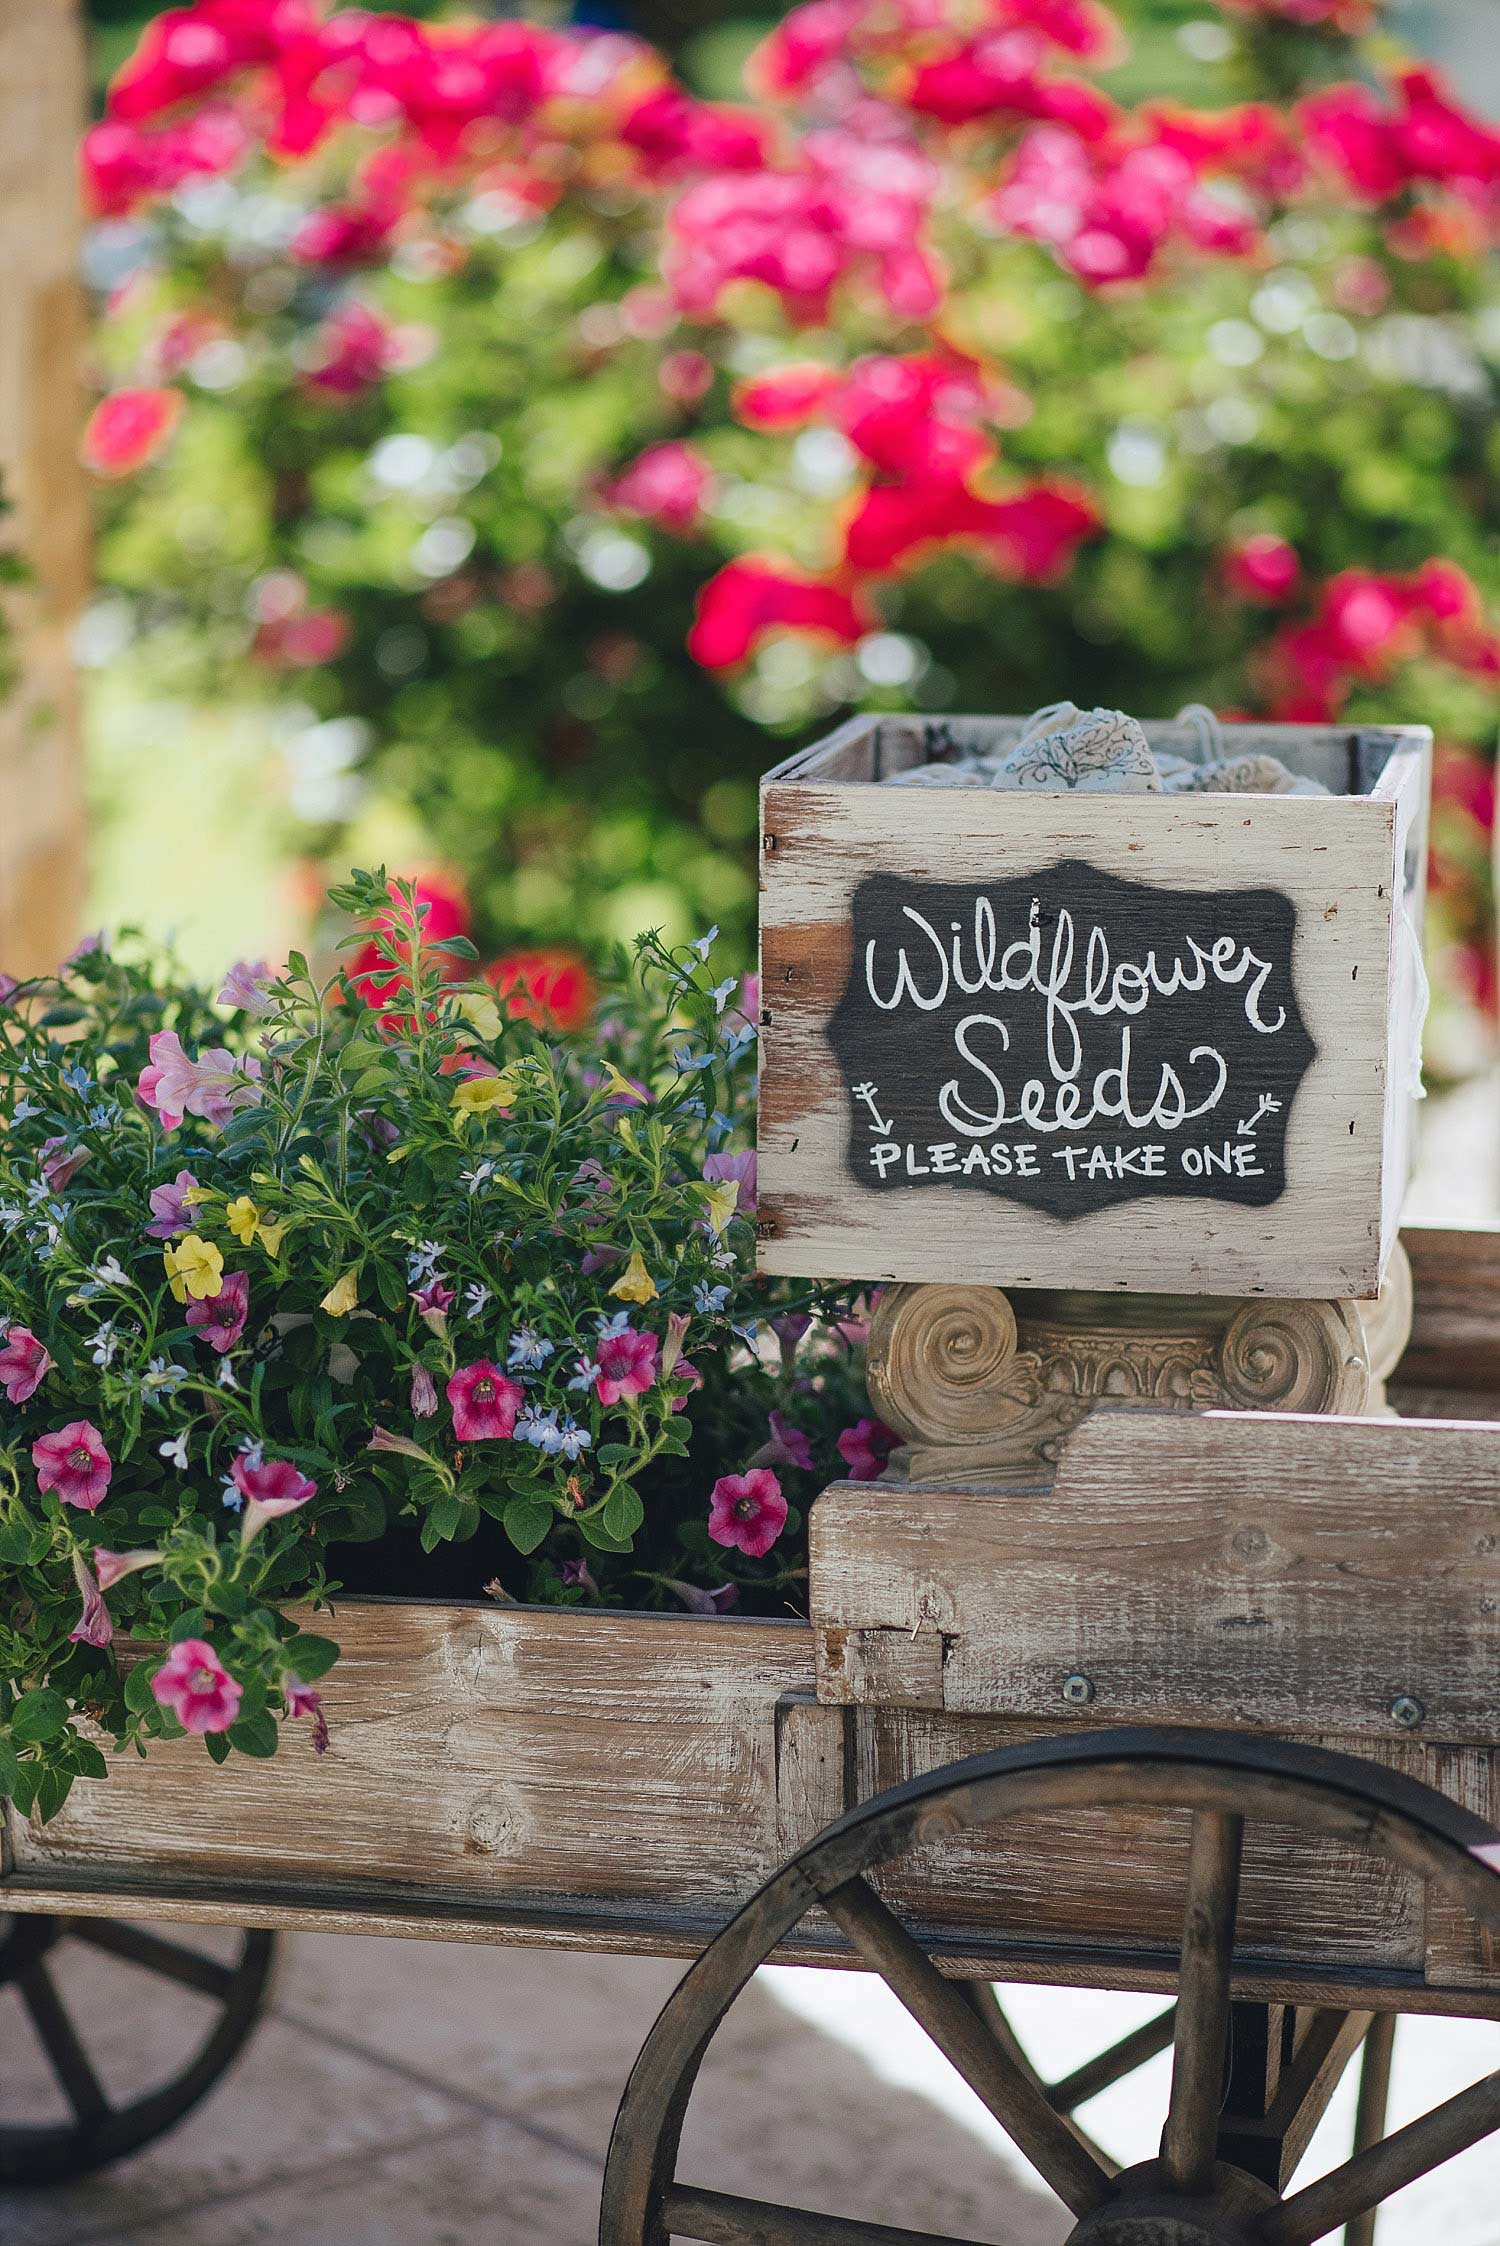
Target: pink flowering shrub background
point(573, 439)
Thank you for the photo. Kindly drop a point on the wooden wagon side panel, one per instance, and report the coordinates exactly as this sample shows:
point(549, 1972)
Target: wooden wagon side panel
point(1294, 1574)
point(481, 1758)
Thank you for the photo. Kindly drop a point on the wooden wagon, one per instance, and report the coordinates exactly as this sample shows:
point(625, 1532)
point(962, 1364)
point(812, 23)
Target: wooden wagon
point(1217, 1716)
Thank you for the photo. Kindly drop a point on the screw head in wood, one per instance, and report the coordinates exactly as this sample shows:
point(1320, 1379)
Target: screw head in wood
point(1078, 1689)
point(1407, 1711)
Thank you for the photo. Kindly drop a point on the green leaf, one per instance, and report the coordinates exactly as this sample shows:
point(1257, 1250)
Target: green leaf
point(599, 1536)
point(458, 947)
point(623, 1514)
point(254, 1735)
point(615, 1454)
point(23, 1792)
point(16, 1541)
point(310, 1656)
point(10, 1766)
point(189, 1625)
point(84, 1759)
point(527, 1522)
point(53, 1787)
point(139, 1698)
point(39, 1716)
point(217, 1743)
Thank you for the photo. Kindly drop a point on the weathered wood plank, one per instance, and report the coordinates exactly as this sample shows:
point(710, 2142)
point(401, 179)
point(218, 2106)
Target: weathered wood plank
point(1455, 1332)
point(41, 413)
point(813, 1749)
point(1340, 861)
point(1292, 1574)
point(501, 1756)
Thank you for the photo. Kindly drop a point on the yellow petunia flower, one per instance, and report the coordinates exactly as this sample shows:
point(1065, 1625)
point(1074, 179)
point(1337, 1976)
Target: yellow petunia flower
point(243, 1219)
point(635, 1283)
point(478, 1094)
point(722, 1201)
point(271, 1235)
point(195, 1268)
point(620, 1087)
point(341, 1296)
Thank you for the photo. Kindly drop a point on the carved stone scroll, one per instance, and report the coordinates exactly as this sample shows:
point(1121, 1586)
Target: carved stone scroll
point(979, 1382)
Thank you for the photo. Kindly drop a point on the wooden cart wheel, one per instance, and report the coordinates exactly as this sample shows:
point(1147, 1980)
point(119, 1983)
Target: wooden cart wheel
point(99, 2131)
point(1188, 2194)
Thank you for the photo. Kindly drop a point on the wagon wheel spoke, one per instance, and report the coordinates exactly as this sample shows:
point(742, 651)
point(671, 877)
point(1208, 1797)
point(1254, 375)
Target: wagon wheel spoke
point(59, 2039)
point(1382, 2169)
point(1111, 2066)
point(981, 1996)
point(997, 2078)
point(1201, 2029)
point(175, 1961)
point(718, 2218)
point(1369, 2118)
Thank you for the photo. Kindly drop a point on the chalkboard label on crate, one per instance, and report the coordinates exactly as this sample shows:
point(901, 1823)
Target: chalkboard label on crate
point(1068, 1040)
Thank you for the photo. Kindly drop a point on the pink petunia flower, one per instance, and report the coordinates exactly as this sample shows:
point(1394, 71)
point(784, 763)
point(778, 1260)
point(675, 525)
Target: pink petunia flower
point(788, 1445)
point(111, 1567)
point(93, 1627)
point(223, 1315)
point(60, 1163)
point(698, 1601)
point(424, 1395)
point(865, 1447)
point(212, 1086)
point(625, 1365)
point(23, 1363)
point(245, 987)
point(301, 1700)
point(170, 1211)
point(74, 1462)
point(748, 1510)
point(194, 1683)
point(271, 1489)
point(484, 1403)
point(686, 1370)
point(434, 1301)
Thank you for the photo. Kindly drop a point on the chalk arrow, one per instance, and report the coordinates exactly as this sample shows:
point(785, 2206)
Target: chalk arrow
point(1267, 1106)
point(866, 1092)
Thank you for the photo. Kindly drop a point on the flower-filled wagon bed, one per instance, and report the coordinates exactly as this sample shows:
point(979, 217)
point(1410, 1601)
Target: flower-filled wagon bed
point(393, 1418)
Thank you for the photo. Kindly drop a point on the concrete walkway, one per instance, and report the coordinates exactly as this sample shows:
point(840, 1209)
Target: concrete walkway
point(415, 2094)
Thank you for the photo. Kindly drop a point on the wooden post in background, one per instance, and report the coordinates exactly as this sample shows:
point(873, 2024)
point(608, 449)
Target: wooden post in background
point(42, 107)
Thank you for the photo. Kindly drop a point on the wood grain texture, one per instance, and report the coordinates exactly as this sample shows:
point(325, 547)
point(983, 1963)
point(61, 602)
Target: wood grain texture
point(42, 108)
point(1455, 1334)
point(1281, 1572)
point(825, 828)
point(496, 1758)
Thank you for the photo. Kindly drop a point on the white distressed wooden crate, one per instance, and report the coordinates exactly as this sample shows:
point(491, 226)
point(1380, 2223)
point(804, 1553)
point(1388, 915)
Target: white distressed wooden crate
point(1325, 892)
